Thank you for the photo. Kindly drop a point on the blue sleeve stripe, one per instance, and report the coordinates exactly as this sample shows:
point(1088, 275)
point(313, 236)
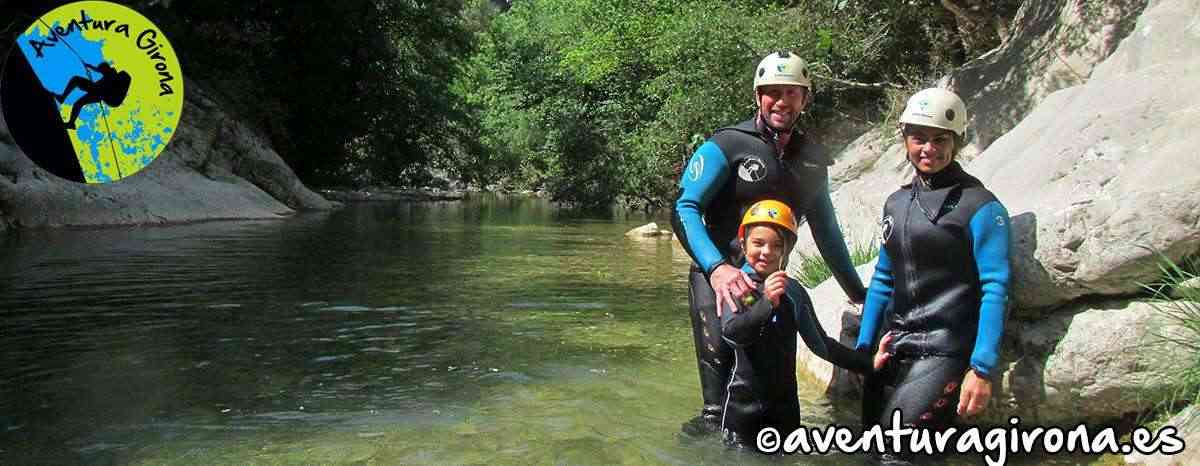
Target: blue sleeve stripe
point(878, 296)
point(703, 178)
point(990, 233)
point(832, 244)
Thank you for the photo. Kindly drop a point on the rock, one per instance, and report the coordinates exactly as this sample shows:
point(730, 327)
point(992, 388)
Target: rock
point(649, 230)
point(213, 168)
point(1105, 198)
point(1188, 424)
point(1055, 44)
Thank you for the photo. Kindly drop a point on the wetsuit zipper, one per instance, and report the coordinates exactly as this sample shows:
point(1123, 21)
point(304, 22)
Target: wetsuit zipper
point(906, 247)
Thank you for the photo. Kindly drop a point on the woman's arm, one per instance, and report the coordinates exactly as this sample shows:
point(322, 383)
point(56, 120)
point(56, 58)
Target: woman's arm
point(878, 297)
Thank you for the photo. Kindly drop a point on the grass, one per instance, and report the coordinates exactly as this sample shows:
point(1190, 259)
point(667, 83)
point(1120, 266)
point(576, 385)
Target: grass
point(812, 270)
point(1179, 306)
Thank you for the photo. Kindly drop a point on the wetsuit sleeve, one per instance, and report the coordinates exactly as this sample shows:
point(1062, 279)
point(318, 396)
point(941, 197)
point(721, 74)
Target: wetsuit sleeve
point(814, 336)
point(744, 327)
point(706, 173)
point(990, 236)
point(878, 297)
point(831, 243)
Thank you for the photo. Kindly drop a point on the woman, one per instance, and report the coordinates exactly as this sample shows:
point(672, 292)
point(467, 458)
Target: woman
point(762, 327)
point(940, 288)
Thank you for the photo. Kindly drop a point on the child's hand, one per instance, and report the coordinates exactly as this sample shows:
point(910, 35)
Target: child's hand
point(776, 284)
point(881, 355)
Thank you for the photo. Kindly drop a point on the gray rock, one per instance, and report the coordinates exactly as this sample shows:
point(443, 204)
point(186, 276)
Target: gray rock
point(1055, 44)
point(1188, 424)
point(1097, 169)
point(648, 231)
point(213, 168)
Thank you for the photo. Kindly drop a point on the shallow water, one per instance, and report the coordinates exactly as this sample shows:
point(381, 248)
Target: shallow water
point(492, 330)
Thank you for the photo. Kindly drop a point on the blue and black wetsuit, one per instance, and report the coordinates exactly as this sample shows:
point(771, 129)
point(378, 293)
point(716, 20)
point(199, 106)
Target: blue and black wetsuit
point(941, 287)
point(735, 168)
point(761, 390)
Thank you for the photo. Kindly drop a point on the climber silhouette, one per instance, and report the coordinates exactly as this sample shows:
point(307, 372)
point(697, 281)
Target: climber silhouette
point(112, 88)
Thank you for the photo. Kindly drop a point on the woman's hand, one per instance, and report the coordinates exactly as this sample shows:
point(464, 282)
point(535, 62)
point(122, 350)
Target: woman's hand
point(881, 354)
point(976, 391)
point(729, 284)
point(776, 284)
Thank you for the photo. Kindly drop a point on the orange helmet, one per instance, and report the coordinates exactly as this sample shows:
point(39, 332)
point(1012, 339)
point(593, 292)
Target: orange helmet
point(768, 211)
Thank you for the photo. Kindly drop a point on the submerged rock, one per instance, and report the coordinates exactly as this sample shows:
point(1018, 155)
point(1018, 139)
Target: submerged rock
point(648, 231)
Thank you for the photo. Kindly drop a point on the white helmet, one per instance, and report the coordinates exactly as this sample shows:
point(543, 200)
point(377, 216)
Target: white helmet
point(782, 68)
point(938, 108)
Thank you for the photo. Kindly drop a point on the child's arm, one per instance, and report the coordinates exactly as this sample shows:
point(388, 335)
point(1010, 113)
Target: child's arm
point(810, 330)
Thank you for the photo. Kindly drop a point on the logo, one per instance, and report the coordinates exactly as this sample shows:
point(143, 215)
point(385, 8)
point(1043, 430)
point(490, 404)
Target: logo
point(93, 92)
point(780, 67)
point(696, 168)
point(999, 220)
point(887, 227)
point(752, 169)
point(924, 104)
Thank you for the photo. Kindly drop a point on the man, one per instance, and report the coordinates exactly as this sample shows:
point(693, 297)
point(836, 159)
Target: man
point(764, 157)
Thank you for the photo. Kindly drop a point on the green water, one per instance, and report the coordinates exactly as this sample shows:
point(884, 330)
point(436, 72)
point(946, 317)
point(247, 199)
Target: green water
point(493, 330)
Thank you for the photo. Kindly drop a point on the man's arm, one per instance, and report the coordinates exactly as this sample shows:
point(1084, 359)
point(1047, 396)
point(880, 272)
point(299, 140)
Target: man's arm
point(702, 179)
point(832, 244)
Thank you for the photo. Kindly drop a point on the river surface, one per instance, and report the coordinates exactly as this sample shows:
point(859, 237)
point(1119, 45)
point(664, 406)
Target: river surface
point(491, 330)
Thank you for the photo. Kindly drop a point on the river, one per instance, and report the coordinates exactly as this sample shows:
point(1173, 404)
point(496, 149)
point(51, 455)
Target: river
point(490, 330)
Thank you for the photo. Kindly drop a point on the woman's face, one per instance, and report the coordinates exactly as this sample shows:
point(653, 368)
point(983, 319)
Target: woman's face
point(929, 149)
point(781, 104)
point(764, 249)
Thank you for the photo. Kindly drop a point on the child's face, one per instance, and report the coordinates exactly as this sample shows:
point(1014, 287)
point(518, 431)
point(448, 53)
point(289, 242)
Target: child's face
point(764, 249)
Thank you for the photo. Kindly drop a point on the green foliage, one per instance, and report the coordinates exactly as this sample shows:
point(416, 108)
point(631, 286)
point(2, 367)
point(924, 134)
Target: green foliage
point(354, 91)
point(1179, 306)
point(812, 270)
point(596, 100)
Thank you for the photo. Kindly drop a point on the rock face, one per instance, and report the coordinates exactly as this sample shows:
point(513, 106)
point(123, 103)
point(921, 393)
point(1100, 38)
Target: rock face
point(1098, 175)
point(213, 168)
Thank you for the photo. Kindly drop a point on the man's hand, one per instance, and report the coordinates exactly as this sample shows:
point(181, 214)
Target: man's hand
point(976, 391)
point(729, 284)
point(776, 284)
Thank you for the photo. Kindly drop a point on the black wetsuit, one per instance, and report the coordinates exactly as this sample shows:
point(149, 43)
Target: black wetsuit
point(761, 390)
point(735, 168)
point(941, 285)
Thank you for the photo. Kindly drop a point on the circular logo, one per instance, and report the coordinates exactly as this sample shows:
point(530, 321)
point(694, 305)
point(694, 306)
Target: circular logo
point(752, 169)
point(93, 92)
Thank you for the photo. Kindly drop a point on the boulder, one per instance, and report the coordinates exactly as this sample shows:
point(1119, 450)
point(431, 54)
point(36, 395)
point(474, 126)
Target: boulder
point(213, 168)
point(1096, 169)
point(648, 231)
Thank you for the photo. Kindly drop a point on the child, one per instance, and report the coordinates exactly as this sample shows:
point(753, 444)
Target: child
point(761, 390)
